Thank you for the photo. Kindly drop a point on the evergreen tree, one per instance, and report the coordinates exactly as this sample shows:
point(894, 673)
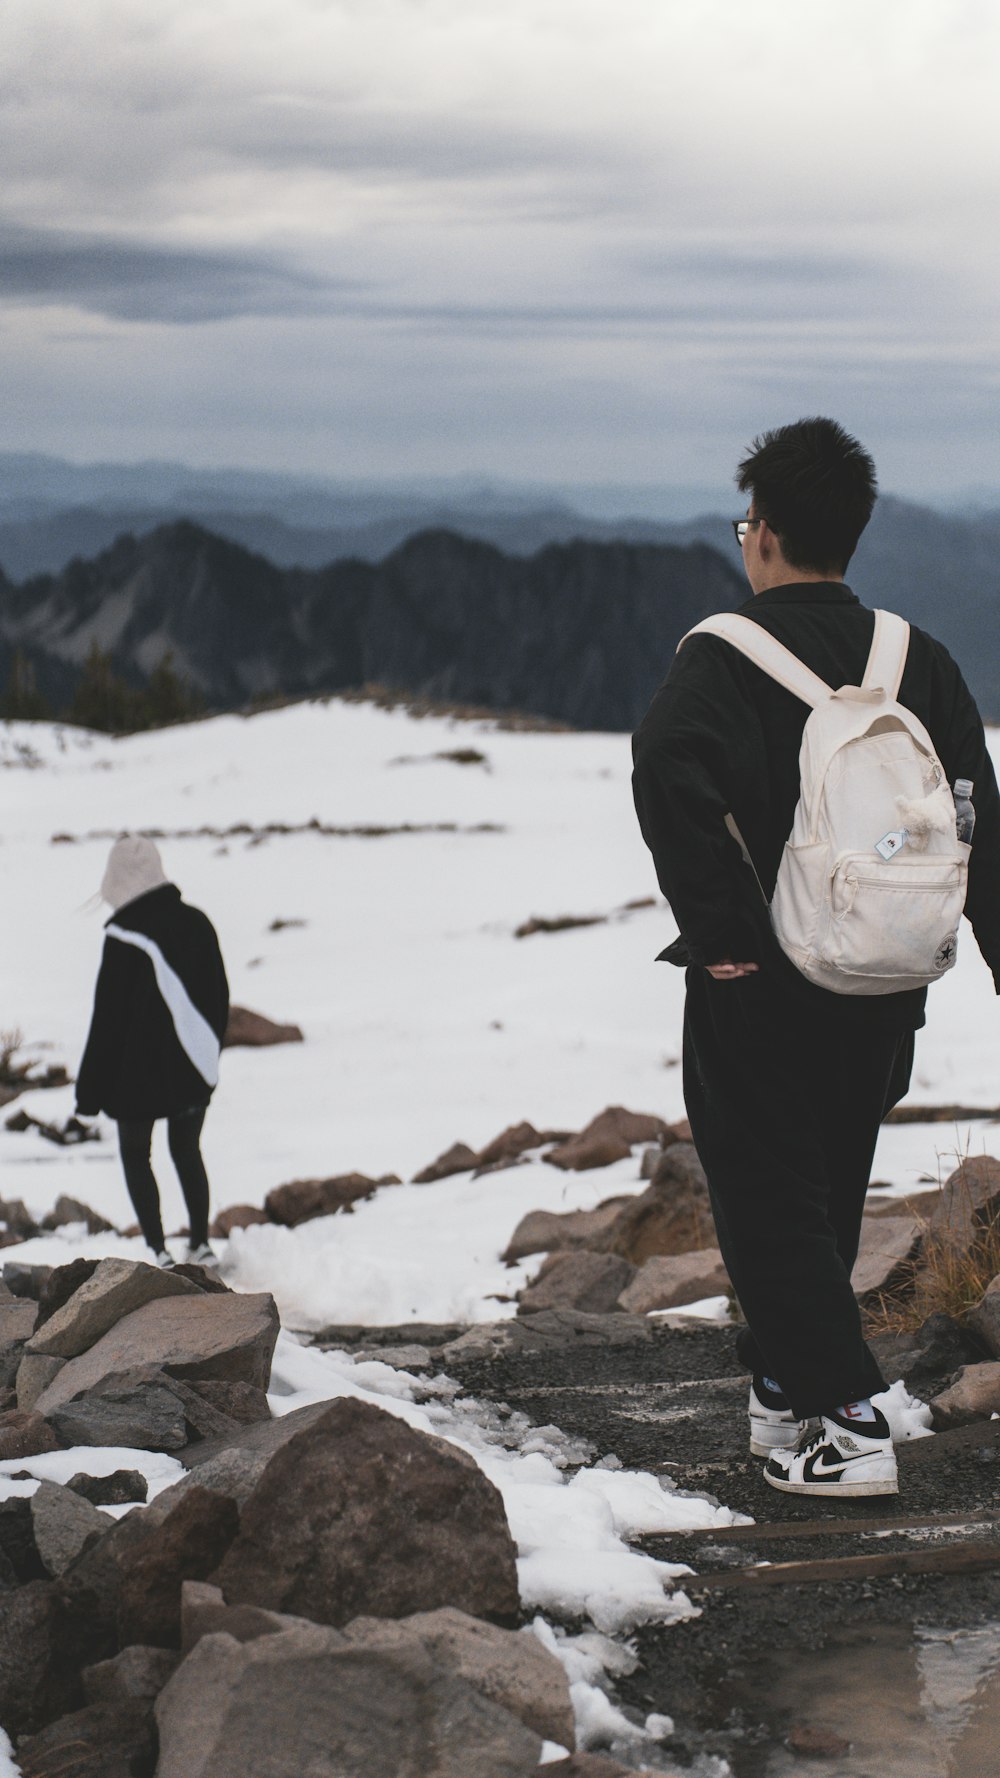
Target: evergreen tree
point(169, 698)
point(102, 700)
point(22, 701)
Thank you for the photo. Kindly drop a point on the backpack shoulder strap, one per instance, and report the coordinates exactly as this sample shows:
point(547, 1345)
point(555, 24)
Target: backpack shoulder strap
point(887, 656)
point(767, 653)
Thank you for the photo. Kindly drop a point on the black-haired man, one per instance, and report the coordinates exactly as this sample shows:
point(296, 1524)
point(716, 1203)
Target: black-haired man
point(786, 1082)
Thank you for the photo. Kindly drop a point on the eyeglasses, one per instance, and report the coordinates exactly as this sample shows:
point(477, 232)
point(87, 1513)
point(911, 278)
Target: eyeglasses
point(742, 526)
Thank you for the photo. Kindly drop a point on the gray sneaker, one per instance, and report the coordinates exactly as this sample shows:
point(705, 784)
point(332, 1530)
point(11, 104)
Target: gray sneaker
point(164, 1260)
point(201, 1256)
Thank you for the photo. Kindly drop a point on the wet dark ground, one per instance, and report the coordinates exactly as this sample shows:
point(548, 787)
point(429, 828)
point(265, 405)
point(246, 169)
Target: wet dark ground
point(870, 1676)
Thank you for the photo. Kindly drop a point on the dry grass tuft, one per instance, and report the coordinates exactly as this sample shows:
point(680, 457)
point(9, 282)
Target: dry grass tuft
point(943, 1277)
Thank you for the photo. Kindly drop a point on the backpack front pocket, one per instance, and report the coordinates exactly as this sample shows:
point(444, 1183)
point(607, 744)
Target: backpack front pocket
point(896, 921)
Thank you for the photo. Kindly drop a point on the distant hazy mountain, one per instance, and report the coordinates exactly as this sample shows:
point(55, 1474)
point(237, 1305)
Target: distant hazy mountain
point(582, 632)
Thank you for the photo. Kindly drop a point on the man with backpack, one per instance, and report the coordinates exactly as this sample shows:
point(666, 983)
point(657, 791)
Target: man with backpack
point(799, 805)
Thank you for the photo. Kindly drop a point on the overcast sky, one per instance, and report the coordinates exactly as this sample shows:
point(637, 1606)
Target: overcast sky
point(578, 240)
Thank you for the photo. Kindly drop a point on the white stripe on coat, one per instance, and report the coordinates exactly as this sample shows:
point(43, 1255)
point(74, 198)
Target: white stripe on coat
point(194, 1033)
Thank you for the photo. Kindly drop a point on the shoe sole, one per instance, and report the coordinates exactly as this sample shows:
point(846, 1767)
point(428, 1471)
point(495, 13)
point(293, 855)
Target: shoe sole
point(834, 1490)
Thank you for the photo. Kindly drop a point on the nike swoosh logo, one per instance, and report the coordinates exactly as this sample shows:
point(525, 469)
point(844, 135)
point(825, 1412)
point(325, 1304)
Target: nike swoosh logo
point(815, 1466)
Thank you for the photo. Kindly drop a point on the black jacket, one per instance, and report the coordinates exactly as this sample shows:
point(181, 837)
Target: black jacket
point(135, 1065)
point(721, 735)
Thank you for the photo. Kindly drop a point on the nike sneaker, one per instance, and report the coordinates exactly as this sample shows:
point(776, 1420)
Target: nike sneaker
point(772, 1427)
point(839, 1457)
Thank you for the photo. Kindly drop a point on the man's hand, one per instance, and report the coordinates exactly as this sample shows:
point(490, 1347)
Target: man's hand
point(730, 972)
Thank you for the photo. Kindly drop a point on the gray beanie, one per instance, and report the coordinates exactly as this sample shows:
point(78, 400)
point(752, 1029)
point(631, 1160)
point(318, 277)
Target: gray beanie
point(134, 867)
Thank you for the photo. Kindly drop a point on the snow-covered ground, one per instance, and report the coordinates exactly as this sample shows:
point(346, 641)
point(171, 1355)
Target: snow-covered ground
point(425, 1021)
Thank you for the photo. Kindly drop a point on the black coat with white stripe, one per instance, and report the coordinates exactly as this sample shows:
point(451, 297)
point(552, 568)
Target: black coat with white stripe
point(136, 1063)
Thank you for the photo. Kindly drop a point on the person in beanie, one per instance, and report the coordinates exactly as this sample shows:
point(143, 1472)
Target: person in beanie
point(786, 1081)
point(160, 1011)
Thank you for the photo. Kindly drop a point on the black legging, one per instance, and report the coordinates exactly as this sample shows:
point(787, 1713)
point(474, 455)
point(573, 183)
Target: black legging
point(135, 1140)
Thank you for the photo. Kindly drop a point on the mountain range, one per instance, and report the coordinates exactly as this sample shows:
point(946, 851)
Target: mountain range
point(281, 587)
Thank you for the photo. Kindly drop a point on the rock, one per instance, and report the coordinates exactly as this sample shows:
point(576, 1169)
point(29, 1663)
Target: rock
point(204, 1612)
point(112, 1291)
point(669, 1279)
point(34, 1374)
point(246, 1451)
point(919, 1204)
point(889, 1245)
point(546, 1330)
point(302, 1200)
point(984, 1319)
point(189, 1544)
point(244, 1403)
point(17, 1540)
point(399, 1358)
point(17, 1219)
point(142, 1409)
point(45, 1638)
point(25, 1280)
point(302, 1702)
point(120, 1488)
point(585, 1152)
point(138, 1672)
point(459, 1158)
point(63, 1524)
point(510, 1143)
point(101, 1741)
point(226, 1337)
point(205, 1277)
point(238, 1216)
point(592, 1282)
point(927, 1359)
point(974, 1395)
point(547, 1231)
point(24, 1433)
point(60, 1285)
point(611, 1133)
point(17, 1318)
point(673, 1214)
point(509, 1666)
point(69, 1210)
point(254, 1031)
point(970, 1199)
point(358, 1513)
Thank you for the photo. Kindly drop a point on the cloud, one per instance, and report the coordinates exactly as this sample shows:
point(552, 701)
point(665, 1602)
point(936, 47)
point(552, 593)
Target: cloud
point(136, 281)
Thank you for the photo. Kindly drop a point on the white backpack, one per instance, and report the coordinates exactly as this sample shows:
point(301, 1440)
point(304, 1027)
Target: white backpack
point(871, 885)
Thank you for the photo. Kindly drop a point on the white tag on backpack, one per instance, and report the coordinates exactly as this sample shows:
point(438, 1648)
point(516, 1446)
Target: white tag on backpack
point(891, 843)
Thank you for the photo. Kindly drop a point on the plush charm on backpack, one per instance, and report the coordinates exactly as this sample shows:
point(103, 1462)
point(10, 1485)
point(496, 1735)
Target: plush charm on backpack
point(872, 880)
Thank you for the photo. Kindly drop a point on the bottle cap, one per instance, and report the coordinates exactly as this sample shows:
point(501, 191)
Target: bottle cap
point(963, 787)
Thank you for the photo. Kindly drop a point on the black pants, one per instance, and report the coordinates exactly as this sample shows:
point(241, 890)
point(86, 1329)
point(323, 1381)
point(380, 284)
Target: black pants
point(184, 1138)
point(785, 1105)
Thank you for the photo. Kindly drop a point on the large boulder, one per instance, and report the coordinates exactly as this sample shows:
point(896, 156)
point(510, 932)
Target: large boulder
point(608, 1137)
point(144, 1409)
point(17, 1321)
point(360, 1514)
point(459, 1158)
point(509, 1666)
point(112, 1291)
point(889, 1246)
point(188, 1544)
point(969, 1200)
point(225, 1337)
point(673, 1214)
point(550, 1231)
point(62, 1525)
point(302, 1702)
point(667, 1280)
point(592, 1282)
point(302, 1200)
